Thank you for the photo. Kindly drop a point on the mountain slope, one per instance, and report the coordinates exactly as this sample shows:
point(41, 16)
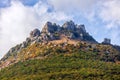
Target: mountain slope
point(76, 66)
point(65, 52)
point(50, 32)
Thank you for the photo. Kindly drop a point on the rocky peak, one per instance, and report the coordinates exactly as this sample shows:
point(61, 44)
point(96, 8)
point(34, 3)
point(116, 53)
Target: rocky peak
point(50, 28)
point(106, 41)
point(52, 31)
point(34, 33)
point(69, 25)
point(81, 28)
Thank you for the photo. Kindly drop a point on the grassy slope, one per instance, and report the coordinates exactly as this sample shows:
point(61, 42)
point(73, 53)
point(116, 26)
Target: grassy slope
point(76, 66)
point(63, 62)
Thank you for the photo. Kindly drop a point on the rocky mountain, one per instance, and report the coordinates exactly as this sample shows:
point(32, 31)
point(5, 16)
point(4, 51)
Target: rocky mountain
point(56, 35)
point(66, 52)
point(52, 31)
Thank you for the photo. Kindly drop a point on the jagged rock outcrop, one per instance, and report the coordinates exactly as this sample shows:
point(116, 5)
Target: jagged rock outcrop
point(50, 28)
point(51, 31)
point(106, 41)
point(69, 25)
point(74, 31)
point(34, 33)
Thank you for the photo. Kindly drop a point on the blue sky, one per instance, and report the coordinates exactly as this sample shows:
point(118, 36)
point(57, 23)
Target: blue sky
point(19, 17)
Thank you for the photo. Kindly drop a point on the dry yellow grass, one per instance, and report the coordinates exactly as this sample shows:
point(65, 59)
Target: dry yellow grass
point(64, 39)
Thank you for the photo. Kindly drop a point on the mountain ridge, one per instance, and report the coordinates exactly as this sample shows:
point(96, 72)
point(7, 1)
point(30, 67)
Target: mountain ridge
point(51, 31)
point(54, 35)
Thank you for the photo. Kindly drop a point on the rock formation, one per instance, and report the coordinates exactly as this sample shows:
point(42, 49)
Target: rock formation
point(52, 31)
point(106, 41)
point(50, 28)
point(69, 25)
point(69, 31)
point(34, 33)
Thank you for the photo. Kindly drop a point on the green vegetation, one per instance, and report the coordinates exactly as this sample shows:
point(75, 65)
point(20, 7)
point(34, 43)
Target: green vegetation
point(50, 61)
point(103, 52)
point(75, 66)
point(61, 53)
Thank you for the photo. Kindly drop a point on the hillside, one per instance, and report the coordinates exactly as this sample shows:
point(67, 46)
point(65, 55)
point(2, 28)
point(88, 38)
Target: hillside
point(61, 52)
point(51, 32)
point(76, 66)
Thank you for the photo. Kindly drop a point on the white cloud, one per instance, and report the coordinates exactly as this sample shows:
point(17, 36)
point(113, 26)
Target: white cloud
point(110, 15)
point(72, 5)
point(18, 20)
point(110, 11)
point(76, 8)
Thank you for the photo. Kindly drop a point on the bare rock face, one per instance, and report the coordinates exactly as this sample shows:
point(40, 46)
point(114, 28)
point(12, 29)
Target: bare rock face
point(34, 33)
point(106, 41)
point(51, 31)
point(50, 28)
point(81, 28)
point(69, 25)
